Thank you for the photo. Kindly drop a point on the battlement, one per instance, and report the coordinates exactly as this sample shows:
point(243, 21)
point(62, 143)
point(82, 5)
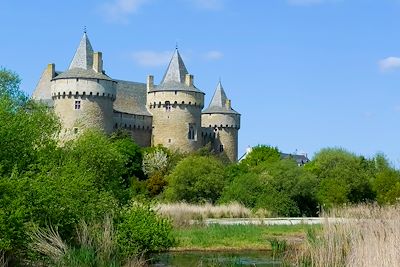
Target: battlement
point(220, 120)
point(172, 99)
point(85, 87)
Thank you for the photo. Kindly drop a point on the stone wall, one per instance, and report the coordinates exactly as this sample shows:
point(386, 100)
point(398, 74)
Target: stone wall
point(96, 105)
point(138, 126)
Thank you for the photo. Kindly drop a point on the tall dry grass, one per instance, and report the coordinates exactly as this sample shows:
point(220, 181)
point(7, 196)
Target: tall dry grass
point(96, 246)
point(184, 214)
point(363, 235)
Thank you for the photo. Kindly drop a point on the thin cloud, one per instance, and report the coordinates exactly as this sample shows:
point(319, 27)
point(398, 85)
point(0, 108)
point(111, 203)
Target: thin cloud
point(309, 2)
point(213, 55)
point(389, 63)
point(152, 58)
point(207, 4)
point(120, 10)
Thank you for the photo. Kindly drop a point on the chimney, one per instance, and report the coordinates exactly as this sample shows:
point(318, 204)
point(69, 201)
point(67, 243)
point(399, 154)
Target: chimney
point(98, 62)
point(228, 104)
point(150, 83)
point(189, 80)
point(51, 69)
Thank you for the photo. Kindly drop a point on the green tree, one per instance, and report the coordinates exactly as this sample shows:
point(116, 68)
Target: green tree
point(196, 179)
point(261, 154)
point(9, 87)
point(344, 177)
point(27, 129)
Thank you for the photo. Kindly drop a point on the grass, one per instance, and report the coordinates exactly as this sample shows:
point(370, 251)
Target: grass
point(182, 214)
point(96, 247)
point(238, 237)
point(368, 235)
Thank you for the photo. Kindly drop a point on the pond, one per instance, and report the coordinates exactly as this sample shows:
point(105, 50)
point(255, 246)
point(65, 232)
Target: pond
point(231, 258)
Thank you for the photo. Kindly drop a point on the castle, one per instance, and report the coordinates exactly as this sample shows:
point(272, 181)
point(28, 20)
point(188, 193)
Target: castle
point(170, 114)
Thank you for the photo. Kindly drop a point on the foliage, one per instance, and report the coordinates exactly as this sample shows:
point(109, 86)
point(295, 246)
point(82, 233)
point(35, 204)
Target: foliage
point(196, 179)
point(155, 161)
point(280, 187)
point(9, 87)
point(260, 154)
point(140, 229)
point(132, 156)
point(246, 188)
point(344, 177)
point(26, 133)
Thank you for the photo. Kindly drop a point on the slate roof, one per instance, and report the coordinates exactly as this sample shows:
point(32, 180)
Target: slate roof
point(218, 102)
point(82, 73)
point(83, 57)
point(131, 98)
point(82, 63)
point(300, 159)
point(174, 77)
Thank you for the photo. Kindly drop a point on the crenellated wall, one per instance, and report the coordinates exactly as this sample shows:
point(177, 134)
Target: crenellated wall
point(95, 107)
point(138, 126)
point(175, 114)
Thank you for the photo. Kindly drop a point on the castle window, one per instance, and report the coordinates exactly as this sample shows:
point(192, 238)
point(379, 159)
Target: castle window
point(167, 106)
point(176, 92)
point(221, 148)
point(75, 130)
point(77, 104)
point(192, 134)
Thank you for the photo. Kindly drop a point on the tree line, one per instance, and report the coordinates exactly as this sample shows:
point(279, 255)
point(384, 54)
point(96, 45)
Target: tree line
point(47, 184)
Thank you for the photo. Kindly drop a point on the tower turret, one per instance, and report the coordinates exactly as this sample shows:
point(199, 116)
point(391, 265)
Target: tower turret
point(176, 106)
point(83, 95)
point(225, 123)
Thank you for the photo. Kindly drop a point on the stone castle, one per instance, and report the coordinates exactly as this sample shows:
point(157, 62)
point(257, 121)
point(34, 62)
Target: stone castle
point(170, 114)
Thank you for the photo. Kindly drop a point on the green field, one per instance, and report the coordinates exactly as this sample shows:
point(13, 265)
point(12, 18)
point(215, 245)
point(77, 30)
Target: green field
point(237, 237)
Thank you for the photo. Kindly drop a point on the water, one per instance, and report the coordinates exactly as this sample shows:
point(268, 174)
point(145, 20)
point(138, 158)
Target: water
point(235, 258)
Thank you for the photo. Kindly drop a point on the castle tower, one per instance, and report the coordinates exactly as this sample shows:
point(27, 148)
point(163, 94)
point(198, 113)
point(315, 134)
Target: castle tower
point(176, 106)
point(225, 123)
point(83, 95)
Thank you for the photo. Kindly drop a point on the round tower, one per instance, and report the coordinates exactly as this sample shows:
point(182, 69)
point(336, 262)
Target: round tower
point(176, 106)
point(224, 122)
point(83, 95)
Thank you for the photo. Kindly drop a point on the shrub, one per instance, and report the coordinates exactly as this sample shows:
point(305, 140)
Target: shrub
point(141, 230)
point(196, 179)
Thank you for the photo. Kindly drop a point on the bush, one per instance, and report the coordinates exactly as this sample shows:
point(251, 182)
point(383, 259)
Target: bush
point(141, 230)
point(196, 179)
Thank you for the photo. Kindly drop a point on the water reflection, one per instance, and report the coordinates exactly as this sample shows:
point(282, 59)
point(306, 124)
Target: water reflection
point(236, 258)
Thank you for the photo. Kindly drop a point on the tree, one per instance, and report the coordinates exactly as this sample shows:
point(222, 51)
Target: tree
point(344, 177)
point(260, 154)
point(196, 179)
point(9, 87)
point(27, 129)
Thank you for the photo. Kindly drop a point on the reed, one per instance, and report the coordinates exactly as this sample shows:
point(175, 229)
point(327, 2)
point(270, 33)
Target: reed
point(184, 214)
point(363, 235)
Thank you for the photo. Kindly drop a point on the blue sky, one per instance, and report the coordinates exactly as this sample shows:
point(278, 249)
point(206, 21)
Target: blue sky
point(304, 74)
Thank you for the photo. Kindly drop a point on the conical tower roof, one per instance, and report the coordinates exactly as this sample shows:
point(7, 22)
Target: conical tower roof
point(220, 103)
point(176, 70)
point(83, 57)
point(82, 63)
point(174, 77)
